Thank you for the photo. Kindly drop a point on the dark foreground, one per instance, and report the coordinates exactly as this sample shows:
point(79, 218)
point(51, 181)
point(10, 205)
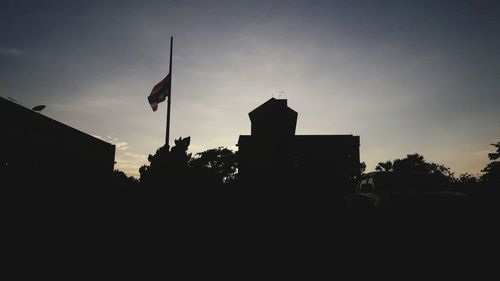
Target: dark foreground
point(227, 208)
point(230, 234)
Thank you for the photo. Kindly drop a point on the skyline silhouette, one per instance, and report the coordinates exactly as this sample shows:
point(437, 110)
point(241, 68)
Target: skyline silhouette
point(44, 158)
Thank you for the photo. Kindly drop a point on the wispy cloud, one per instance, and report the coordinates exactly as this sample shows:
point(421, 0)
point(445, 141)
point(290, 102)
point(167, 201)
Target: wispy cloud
point(129, 162)
point(135, 155)
point(126, 161)
point(121, 146)
point(11, 52)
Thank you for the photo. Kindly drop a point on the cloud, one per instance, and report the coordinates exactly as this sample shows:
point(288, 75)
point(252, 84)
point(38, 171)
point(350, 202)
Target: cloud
point(135, 155)
point(121, 145)
point(12, 52)
point(130, 162)
point(126, 161)
point(130, 169)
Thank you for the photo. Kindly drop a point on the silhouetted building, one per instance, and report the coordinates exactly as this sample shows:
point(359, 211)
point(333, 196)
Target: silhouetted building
point(36, 150)
point(274, 155)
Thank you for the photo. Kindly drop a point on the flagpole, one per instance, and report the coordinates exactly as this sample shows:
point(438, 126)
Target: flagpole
point(170, 94)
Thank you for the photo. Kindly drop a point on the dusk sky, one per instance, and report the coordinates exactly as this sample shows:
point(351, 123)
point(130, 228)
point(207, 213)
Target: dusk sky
point(406, 76)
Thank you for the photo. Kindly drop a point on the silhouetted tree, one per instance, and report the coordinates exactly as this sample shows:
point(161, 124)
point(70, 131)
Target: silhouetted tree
point(442, 170)
point(384, 166)
point(219, 163)
point(491, 175)
point(416, 163)
point(362, 167)
point(167, 168)
point(467, 180)
point(412, 163)
point(121, 181)
point(466, 183)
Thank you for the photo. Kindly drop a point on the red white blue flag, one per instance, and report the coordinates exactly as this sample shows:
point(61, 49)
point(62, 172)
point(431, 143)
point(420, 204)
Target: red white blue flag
point(160, 92)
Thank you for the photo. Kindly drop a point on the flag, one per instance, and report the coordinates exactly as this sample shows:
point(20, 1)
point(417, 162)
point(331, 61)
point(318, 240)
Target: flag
point(160, 92)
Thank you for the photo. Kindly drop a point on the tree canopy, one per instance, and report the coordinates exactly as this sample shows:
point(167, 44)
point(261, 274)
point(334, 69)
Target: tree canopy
point(218, 162)
point(491, 172)
point(176, 170)
point(415, 163)
point(167, 166)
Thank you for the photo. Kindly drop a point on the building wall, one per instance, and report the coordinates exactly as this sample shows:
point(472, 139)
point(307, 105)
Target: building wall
point(37, 150)
point(274, 156)
point(310, 161)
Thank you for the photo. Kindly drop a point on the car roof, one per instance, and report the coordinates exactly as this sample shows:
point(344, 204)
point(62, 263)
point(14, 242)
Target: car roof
point(395, 173)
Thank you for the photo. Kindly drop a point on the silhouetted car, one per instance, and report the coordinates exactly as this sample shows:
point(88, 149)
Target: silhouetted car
point(404, 190)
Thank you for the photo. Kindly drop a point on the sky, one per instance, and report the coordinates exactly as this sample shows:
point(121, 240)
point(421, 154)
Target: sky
point(406, 76)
